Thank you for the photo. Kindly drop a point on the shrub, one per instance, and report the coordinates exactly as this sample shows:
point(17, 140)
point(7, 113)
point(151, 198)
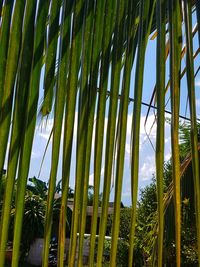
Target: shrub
point(122, 252)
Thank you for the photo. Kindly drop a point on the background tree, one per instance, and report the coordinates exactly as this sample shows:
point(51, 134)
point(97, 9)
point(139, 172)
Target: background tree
point(147, 210)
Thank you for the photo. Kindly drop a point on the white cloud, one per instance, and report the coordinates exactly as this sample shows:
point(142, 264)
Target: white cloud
point(167, 140)
point(128, 148)
point(147, 169)
point(167, 156)
point(147, 153)
point(35, 155)
point(91, 177)
point(129, 124)
point(126, 193)
point(197, 83)
point(45, 135)
point(143, 131)
point(198, 102)
point(150, 126)
point(44, 130)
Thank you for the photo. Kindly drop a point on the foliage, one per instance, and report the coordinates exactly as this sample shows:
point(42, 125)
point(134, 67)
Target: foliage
point(185, 139)
point(33, 220)
point(38, 188)
point(91, 196)
point(146, 228)
point(107, 249)
point(142, 236)
point(189, 244)
point(82, 52)
point(125, 222)
point(2, 189)
point(146, 221)
point(55, 223)
point(34, 214)
point(145, 234)
point(37, 195)
point(122, 252)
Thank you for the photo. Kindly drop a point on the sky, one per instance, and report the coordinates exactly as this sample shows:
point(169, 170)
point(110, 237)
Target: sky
point(147, 153)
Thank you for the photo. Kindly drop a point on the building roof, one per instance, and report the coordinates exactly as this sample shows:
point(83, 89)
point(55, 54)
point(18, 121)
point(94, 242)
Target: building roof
point(70, 204)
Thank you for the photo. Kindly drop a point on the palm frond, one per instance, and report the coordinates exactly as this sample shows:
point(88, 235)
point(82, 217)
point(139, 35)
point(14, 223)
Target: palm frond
point(79, 58)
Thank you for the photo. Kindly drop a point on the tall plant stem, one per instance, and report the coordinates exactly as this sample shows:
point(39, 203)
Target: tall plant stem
point(175, 66)
point(30, 122)
point(144, 30)
point(22, 87)
point(160, 89)
point(192, 103)
point(122, 124)
point(66, 153)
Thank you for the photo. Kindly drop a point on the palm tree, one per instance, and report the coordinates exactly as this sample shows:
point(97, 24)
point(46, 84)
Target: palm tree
point(86, 48)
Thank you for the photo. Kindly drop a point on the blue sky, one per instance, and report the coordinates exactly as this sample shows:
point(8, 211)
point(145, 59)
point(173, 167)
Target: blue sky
point(147, 154)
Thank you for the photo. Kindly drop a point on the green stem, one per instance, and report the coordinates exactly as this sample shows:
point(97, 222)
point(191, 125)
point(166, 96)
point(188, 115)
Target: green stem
point(49, 80)
point(4, 40)
point(119, 12)
point(160, 89)
point(192, 103)
point(175, 68)
point(66, 153)
point(84, 150)
point(122, 127)
point(19, 111)
point(144, 31)
point(71, 104)
point(30, 121)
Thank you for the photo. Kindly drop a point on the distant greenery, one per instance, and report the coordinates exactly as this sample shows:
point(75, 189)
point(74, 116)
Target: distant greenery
point(145, 240)
point(147, 218)
point(123, 245)
point(147, 215)
point(34, 213)
point(146, 233)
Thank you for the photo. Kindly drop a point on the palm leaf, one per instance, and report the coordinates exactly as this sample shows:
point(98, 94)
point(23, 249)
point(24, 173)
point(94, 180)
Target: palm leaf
point(123, 125)
point(71, 104)
point(161, 21)
point(144, 30)
point(175, 65)
point(1, 5)
point(51, 57)
point(66, 162)
point(194, 133)
point(83, 54)
point(91, 70)
point(4, 37)
point(18, 122)
point(57, 128)
point(106, 44)
point(30, 121)
point(198, 17)
point(110, 138)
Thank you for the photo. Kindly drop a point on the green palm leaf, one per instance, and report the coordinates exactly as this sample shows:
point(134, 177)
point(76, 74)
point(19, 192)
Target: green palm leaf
point(160, 87)
point(18, 122)
point(194, 133)
point(175, 65)
point(30, 121)
point(79, 57)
